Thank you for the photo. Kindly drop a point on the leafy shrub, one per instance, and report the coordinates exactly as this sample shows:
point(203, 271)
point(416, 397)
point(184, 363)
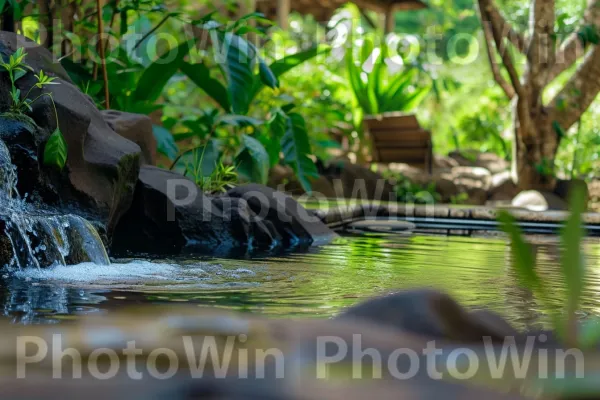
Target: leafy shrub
point(55, 152)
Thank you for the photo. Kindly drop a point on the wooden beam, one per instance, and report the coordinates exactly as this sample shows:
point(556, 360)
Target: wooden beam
point(283, 13)
point(390, 20)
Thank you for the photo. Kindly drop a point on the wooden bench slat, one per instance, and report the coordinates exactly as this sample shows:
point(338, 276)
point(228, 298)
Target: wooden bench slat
point(393, 122)
point(394, 135)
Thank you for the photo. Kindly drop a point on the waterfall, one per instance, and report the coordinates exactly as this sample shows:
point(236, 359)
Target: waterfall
point(33, 238)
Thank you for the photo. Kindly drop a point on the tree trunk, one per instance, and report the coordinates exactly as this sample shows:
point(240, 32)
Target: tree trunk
point(535, 146)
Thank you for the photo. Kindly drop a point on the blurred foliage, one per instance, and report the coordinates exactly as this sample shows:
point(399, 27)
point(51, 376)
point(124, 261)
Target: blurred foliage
point(294, 101)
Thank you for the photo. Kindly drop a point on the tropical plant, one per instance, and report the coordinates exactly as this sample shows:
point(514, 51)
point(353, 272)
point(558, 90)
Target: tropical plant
point(380, 84)
point(564, 321)
point(55, 152)
point(258, 142)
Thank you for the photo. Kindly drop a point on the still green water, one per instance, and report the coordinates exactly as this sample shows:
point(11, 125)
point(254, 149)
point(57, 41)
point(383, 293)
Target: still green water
point(318, 284)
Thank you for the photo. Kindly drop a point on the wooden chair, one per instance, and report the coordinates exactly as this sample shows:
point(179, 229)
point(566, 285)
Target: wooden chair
point(398, 138)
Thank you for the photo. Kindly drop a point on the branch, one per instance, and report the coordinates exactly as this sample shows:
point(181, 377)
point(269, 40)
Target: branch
point(502, 25)
point(579, 93)
point(509, 91)
point(497, 34)
point(572, 48)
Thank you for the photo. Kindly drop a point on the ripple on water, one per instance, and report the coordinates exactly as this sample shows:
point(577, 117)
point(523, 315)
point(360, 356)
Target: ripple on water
point(141, 275)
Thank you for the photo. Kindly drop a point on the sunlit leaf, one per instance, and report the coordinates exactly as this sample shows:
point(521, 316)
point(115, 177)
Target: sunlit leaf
point(239, 62)
point(296, 150)
point(154, 79)
point(200, 75)
point(266, 75)
point(55, 152)
point(253, 160)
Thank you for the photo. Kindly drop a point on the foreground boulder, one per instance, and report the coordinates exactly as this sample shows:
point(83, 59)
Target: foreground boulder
point(377, 350)
point(171, 215)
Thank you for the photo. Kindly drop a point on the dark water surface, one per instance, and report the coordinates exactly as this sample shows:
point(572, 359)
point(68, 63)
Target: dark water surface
point(475, 270)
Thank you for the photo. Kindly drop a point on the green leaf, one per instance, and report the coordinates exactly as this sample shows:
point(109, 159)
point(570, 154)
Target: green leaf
point(560, 132)
point(572, 264)
point(200, 75)
point(296, 149)
point(524, 263)
point(19, 73)
point(55, 152)
point(253, 160)
point(239, 61)
point(287, 63)
point(255, 15)
point(248, 29)
point(588, 34)
point(266, 75)
point(165, 143)
point(157, 75)
point(240, 121)
point(277, 128)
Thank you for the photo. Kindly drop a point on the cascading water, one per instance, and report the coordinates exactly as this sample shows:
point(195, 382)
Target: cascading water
point(30, 237)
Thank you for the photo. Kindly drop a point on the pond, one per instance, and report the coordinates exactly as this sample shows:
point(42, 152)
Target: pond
point(316, 284)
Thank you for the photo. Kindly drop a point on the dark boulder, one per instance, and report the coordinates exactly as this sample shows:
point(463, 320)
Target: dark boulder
point(102, 167)
point(171, 215)
point(564, 188)
point(295, 224)
point(24, 142)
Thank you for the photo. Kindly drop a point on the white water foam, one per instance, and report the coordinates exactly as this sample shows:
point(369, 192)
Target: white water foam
point(142, 275)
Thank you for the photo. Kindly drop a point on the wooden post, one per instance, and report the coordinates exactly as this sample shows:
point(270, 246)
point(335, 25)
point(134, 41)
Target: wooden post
point(283, 13)
point(390, 20)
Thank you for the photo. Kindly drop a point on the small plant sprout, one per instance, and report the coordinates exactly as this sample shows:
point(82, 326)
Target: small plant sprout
point(55, 153)
point(564, 321)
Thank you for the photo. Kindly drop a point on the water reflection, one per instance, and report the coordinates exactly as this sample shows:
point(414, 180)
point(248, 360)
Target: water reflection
point(476, 270)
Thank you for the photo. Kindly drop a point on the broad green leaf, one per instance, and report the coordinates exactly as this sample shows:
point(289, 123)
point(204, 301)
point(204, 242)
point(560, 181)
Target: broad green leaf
point(296, 149)
point(157, 75)
point(287, 63)
point(165, 143)
point(248, 29)
point(200, 75)
point(266, 75)
point(360, 88)
point(253, 160)
point(55, 152)
point(277, 128)
point(239, 63)
point(252, 16)
point(240, 121)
